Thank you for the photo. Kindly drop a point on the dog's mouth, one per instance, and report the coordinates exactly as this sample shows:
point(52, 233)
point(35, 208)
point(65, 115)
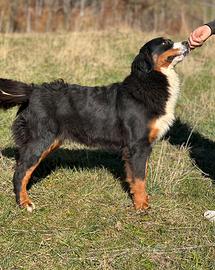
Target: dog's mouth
point(183, 50)
point(186, 48)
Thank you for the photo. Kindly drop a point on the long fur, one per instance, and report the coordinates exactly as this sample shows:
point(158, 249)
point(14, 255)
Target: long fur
point(127, 116)
point(13, 93)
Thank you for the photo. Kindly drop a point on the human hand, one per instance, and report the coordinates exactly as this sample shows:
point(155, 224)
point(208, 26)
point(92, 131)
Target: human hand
point(199, 36)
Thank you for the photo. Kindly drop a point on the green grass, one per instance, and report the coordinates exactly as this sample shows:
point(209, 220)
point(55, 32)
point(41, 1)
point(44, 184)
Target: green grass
point(84, 217)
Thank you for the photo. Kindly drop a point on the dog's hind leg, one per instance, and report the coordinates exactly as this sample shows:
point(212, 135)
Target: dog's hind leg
point(30, 157)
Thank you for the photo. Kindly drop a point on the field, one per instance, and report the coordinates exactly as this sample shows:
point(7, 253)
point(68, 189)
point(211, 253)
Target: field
point(84, 217)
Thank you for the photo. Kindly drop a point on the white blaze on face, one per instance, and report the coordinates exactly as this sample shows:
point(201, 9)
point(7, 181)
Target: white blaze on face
point(178, 45)
point(182, 49)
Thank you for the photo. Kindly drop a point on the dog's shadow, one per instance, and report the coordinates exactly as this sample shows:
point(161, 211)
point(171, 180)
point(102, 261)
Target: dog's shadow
point(201, 150)
point(78, 159)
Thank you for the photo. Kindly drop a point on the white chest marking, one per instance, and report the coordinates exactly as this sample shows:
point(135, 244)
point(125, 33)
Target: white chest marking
point(164, 122)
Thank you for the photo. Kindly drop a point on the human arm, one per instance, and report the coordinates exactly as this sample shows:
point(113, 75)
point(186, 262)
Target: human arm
point(212, 26)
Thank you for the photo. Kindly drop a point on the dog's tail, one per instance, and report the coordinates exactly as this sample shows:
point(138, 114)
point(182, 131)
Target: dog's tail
point(13, 93)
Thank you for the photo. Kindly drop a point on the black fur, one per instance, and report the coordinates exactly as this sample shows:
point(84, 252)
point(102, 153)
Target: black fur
point(18, 93)
point(115, 116)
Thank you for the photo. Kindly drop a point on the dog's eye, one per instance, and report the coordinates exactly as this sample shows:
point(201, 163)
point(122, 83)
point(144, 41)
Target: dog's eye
point(164, 42)
point(167, 42)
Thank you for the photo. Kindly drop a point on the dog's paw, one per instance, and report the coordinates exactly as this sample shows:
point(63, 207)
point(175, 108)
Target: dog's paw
point(210, 215)
point(29, 206)
point(141, 204)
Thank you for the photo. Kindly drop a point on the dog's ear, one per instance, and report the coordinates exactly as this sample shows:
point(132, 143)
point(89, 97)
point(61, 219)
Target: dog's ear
point(142, 64)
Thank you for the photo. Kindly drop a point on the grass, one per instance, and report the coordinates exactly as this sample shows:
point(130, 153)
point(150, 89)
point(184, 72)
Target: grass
point(84, 217)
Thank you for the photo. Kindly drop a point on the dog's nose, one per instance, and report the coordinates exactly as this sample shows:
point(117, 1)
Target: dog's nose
point(186, 47)
point(185, 43)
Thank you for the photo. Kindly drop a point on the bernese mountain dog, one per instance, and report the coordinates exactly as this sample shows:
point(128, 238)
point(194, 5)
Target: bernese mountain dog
point(129, 116)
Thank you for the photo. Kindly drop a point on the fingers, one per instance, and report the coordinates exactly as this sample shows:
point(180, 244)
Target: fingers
point(194, 41)
point(199, 36)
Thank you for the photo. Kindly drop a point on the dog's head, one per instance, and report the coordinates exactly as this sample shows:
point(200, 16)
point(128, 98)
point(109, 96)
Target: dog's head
point(159, 53)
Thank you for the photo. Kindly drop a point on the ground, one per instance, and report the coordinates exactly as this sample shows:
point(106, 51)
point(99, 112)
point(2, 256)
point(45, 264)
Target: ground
point(84, 217)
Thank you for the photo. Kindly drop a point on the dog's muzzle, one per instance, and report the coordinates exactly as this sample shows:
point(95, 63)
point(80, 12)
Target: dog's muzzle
point(183, 47)
point(186, 49)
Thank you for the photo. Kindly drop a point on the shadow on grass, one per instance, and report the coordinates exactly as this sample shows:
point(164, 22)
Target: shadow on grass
point(201, 149)
point(76, 159)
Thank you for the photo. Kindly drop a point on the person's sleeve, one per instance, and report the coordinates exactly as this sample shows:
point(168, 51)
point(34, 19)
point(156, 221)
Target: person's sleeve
point(212, 26)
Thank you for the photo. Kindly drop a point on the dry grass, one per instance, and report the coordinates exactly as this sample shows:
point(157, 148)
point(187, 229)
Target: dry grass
point(84, 219)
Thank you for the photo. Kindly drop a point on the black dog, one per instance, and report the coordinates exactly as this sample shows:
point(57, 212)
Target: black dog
point(128, 116)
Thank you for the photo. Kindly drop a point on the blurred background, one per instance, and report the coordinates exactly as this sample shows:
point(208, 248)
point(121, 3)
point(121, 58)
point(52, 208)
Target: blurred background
point(82, 15)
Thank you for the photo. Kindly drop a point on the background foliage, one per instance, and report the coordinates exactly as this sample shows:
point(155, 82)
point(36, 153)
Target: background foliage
point(148, 15)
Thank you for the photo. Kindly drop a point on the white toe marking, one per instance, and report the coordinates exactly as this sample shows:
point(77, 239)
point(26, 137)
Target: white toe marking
point(31, 207)
point(210, 215)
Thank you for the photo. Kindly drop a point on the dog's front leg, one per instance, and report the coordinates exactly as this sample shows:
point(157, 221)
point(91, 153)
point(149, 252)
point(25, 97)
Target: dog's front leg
point(139, 155)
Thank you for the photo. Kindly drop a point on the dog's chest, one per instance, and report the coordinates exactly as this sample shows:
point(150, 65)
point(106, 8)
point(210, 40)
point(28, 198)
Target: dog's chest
point(163, 123)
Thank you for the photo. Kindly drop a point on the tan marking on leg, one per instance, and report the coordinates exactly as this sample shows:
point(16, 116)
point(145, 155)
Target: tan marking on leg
point(128, 168)
point(24, 199)
point(140, 196)
point(129, 173)
point(138, 191)
point(153, 131)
